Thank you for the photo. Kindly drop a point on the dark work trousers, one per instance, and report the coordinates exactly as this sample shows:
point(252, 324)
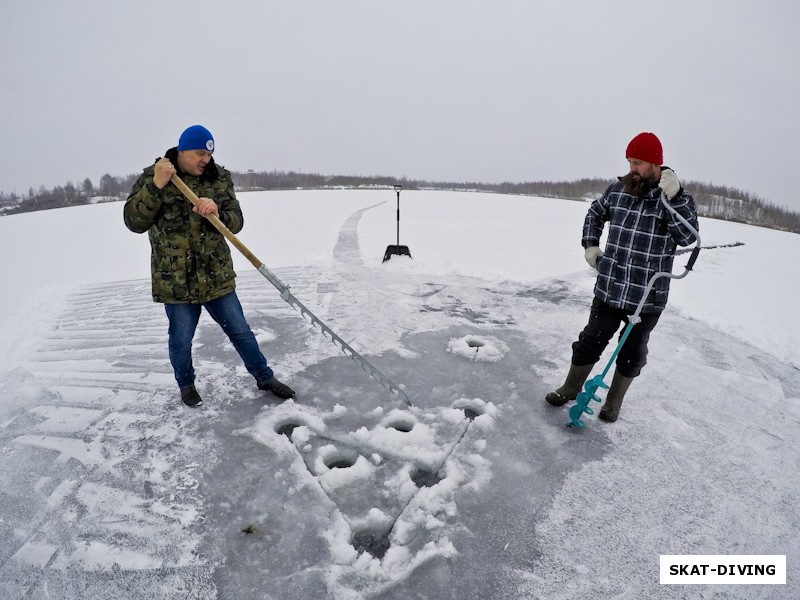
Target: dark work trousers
point(604, 321)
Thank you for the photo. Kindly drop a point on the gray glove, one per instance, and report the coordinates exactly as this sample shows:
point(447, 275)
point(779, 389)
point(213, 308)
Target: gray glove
point(591, 255)
point(669, 183)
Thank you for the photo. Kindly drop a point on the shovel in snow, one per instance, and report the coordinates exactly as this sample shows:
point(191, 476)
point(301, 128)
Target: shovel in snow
point(289, 298)
point(397, 250)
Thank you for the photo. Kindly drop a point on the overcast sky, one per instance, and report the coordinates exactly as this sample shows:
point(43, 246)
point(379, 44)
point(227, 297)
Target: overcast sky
point(462, 90)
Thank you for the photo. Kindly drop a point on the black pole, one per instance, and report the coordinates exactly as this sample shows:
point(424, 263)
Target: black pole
point(397, 189)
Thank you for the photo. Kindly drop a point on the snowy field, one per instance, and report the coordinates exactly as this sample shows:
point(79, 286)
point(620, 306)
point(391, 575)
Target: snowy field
point(113, 489)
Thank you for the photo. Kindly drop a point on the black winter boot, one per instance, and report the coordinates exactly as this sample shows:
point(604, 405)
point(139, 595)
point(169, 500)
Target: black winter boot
point(281, 390)
point(572, 386)
point(619, 386)
point(190, 396)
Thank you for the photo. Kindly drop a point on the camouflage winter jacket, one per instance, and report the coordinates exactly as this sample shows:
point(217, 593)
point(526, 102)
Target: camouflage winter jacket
point(642, 240)
point(190, 262)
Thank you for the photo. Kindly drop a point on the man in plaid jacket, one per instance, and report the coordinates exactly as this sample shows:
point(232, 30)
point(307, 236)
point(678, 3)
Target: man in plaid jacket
point(642, 238)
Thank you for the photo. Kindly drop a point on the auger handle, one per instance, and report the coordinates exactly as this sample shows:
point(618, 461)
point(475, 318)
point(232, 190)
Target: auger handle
point(693, 258)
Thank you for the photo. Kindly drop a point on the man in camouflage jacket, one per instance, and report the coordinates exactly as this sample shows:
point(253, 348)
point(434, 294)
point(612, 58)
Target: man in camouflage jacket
point(642, 239)
point(190, 262)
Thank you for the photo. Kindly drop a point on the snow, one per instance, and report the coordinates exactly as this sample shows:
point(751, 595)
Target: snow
point(113, 489)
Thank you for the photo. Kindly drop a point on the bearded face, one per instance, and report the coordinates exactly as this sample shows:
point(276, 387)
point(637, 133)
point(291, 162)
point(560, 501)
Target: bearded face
point(641, 178)
point(636, 185)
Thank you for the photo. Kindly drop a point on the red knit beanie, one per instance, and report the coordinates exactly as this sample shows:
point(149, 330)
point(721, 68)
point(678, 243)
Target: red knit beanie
point(646, 147)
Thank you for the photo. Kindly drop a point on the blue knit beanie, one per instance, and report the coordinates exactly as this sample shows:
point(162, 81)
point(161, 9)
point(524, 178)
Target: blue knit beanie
point(196, 137)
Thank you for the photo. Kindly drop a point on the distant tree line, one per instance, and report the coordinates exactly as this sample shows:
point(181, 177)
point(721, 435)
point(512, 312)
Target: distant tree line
point(109, 189)
point(719, 202)
point(715, 201)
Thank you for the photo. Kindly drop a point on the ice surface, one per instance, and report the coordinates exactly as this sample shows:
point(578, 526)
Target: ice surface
point(113, 489)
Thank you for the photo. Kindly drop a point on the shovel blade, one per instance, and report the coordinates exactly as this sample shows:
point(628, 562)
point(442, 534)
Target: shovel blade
point(394, 250)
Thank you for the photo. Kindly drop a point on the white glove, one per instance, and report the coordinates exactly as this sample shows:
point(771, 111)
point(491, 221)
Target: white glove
point(669, 183)
point(591, 255)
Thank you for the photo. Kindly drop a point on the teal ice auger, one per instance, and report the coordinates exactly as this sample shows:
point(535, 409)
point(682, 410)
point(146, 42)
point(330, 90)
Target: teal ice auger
point(590, 388)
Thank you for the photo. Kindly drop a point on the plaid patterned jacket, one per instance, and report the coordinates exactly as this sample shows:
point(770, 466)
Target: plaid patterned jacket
point(642, 239)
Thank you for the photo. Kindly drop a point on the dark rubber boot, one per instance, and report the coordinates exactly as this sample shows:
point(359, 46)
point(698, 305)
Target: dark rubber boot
point(281, 390)
point(617, 391)
point(190, 396)
point(572, 386)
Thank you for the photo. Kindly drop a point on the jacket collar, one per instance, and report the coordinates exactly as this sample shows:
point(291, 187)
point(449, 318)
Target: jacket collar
point(210, 174)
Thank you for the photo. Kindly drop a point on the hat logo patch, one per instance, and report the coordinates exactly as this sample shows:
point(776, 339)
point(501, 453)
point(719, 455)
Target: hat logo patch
point(210, 145)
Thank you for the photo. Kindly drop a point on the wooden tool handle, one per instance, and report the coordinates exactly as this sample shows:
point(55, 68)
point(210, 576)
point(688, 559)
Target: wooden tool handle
point(221, 227)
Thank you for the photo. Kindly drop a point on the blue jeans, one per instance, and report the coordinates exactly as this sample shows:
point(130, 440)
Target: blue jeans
point(227, 312)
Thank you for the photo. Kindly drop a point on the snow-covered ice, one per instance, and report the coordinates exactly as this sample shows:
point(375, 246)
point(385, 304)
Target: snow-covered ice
point(113, 489)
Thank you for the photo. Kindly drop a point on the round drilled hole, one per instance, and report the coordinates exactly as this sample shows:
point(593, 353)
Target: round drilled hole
point(286, 429)
point(423, 478)
point(403, 425)
point(471, 408)
point(471, 413)
point(373, 542)
point(340, 459)
point(475, 343)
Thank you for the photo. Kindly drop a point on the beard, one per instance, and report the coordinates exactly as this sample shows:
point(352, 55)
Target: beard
point(636, 185)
